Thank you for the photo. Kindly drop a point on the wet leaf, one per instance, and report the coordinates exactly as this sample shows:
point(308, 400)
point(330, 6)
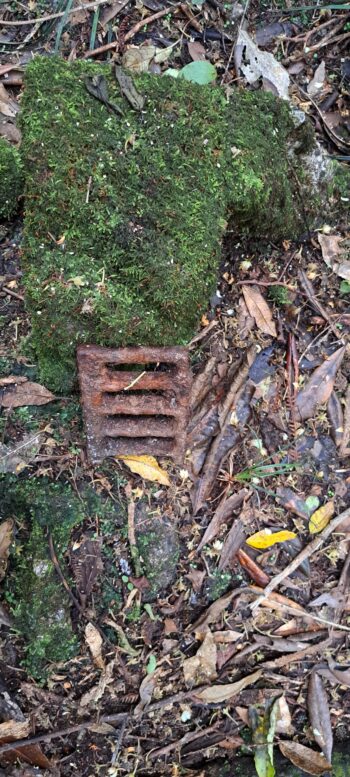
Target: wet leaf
point(218, 693)
point(201, 668)
point(320, 718)
point(335, 255)
point(198, 72)
point(305, 758)
point(6, 533)
point(320, 386)
point(94, 642)
point(256, 64)
point(27, 394)
point(259, 310)
point(147, 467)
point(266, 538)
point(320, 519)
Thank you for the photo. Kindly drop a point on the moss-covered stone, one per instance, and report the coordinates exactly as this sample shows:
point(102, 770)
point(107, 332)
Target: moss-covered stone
point(125, 213)
point(158, 551)
point(11, 179)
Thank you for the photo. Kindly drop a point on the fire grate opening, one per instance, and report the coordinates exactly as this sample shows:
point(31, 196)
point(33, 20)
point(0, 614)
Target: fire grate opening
point(135, 400)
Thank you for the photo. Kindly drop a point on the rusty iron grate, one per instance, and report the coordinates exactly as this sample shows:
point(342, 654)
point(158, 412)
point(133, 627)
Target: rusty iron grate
point(135, 400)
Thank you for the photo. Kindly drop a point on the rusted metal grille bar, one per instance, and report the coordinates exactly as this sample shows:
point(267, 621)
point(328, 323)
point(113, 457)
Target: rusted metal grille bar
point(135, 400)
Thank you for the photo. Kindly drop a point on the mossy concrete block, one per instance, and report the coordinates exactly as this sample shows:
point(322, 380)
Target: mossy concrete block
point(125, 213)
point(40, 604)
point(11, 179)
point(158, 551)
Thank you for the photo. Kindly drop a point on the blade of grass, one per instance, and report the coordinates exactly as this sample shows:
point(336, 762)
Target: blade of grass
point(94, 28)
point(62, 24)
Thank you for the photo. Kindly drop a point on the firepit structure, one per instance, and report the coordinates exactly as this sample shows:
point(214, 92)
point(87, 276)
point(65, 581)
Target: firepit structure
point(135, 400)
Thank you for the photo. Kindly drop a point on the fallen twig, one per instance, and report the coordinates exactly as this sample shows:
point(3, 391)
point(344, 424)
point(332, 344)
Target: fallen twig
point(119, 717)
point(131, 33)
point(308, 551)
point(12, 293)
point(58, 15)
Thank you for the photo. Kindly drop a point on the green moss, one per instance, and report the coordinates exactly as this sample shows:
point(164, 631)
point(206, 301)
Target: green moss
point(125, 214)
point(11, 179)
point(40, 603)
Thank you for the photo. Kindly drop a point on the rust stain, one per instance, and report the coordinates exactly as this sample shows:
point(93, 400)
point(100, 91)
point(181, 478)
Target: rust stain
point(135, 400)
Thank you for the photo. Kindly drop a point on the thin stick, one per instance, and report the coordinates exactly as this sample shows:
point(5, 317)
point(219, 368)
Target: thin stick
point(308, 551)
point(49, 16)
point(117, 718)
point(13, 293)
point(149, 20)
point(131, 33)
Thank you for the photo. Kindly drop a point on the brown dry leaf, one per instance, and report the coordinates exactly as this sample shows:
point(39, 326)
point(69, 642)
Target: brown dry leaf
point(259, 310)
point(335, 418)
point(9, 380)
point(138, 58)
point(321, 517)
point(305, 758)
point(316, 83)
point(14, 729)
point(196, 51)
point(94, 642)
point(8, 106)
point(11, 730)
point(109, 13)
point(223, 512)
point(95, 694)
point(335, 673)
point(213, 612)
point(335, 256)
point(227, 636)
point(87, 565)
point(6, 532)
point(284, 718)
point(201, 667)
point(196, 577)
point(27, 394)
point(320, 718)
point(266, 538)
point(218, 693)
point(320, 386)
point(9, 131)
point(232, 544)
point(146, 692)
point(147, 467)
point(291, 501)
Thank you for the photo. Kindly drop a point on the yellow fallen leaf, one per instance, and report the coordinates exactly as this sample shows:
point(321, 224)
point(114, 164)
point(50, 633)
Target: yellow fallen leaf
point(320, 519)
point(147, 467)
point(266, 538)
